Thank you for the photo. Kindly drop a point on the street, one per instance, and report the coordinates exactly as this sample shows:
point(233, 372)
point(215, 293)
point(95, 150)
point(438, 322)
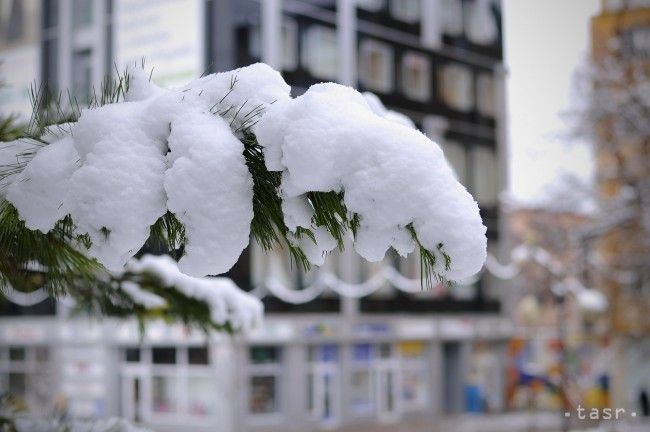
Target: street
point(511, 422)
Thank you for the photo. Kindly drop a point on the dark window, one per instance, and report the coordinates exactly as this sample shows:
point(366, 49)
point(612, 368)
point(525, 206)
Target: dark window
point(132, 355)
point(17, 384)
point(264, 354)
point(50, 13)
point(16, 353)
point(198, 356)
point(16, 25)
point(42, 354)
point(164, 355)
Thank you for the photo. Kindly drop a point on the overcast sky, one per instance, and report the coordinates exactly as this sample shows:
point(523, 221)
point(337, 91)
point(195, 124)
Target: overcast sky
point(544, 42)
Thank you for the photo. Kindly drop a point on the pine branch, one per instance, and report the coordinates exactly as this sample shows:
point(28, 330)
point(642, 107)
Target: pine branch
point(57, 261)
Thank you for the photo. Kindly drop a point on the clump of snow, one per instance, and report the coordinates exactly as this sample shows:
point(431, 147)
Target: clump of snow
point(121, 166)
point(117, 192)
point(144, 298)
point(39, 191)
point(329, 139)
point(210, 189)
point(228, 304)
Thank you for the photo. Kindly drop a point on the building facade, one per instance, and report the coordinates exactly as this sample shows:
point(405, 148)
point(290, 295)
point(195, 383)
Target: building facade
point(621, 56)
point(319, 362)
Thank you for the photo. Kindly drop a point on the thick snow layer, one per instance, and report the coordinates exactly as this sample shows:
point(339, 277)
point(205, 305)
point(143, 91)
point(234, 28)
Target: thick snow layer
point(117, 193)
point(210, 189)
point(226, 301)
point(120, 167)
point(329, 139)
point(240, 96)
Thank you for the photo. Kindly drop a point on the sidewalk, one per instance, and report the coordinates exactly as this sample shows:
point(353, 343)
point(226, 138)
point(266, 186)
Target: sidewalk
point(509, 422)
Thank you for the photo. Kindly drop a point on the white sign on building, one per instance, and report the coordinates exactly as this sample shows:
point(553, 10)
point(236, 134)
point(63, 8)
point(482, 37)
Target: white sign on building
point(167, 34)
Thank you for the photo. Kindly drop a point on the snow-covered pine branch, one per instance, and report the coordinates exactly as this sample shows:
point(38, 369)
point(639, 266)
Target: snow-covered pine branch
point(232, 155)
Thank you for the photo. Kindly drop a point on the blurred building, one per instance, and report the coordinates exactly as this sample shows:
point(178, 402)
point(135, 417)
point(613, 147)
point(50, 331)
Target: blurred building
point(621, 56)
point(556, 333)
point(321, 362)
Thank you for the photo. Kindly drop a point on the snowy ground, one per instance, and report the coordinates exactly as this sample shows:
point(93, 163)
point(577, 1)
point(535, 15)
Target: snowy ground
point(511, 422)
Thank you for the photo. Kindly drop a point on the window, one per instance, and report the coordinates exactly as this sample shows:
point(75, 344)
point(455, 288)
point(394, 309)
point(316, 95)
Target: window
point(289, 43)
point(201, 396)
point(181, 382)
point(456, 84)
point(264, 372)
point(16, 354)
point(406, 10)
point(484, 170)
point(376, 65)
point(82, 75)
point(371, 5)
point(163, 355)
point(323, 353)
point(414, 378)
point(264, 354)
point(263, 398)
point(457, 157)
point(480, 25)
point(164, 394)
point(132, 355)
point(82, 14)
point(320, 52)
point(198, 356)
point(25, 373)
point(17, 384)
point(416, 76)
point(361, 389)
point(361, 393)
point(452, 17)
point(15, 22)
point(485, 96)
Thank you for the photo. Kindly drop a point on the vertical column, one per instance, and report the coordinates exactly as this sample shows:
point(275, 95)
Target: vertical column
point(431, 23)
point(507, 297)
point(221, 56)
point(98, 59)
point(346, 29)
point(271, 32)
point(228, 369)
point(346, 32)
point(65, 45)
point(436, 378)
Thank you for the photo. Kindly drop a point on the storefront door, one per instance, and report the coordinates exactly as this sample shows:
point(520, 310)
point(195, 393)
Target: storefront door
point(326, 394)
point(388, 393)
point(132, 394)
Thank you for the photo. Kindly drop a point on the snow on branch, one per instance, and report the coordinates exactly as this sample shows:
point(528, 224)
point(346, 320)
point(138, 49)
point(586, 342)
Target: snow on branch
point(228, 304)
point(203, 168)
point(392, 178)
